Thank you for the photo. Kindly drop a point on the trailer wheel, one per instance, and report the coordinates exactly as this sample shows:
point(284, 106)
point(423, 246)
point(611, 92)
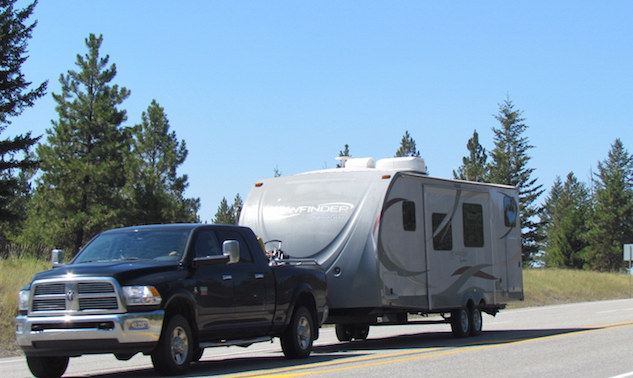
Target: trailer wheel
point(47, 367)
point(476, 321)
point(360, 332)
point(296, 341)
point(174, 350)
point(460, 322)
point(343, 332)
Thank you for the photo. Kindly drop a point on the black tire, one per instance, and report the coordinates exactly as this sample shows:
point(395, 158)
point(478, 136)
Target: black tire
point(47, 367)
point(344, 332)
point(197, 354)
point(476, 321)
point(297, 339)
point(360, 332)
point(173, 353)
point(460, 323)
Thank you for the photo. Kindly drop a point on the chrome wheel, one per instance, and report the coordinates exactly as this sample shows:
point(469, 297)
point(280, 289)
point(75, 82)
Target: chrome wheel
point(304, 333)
point(179, 345)
point(460, 322)
point(476, 322)
point(297, 339)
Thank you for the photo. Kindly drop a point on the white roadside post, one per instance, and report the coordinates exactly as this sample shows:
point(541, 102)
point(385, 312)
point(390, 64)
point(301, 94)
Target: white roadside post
point(628, 256)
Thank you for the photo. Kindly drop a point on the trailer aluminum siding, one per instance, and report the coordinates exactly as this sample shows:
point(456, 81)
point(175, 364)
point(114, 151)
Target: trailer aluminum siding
point(395, 239)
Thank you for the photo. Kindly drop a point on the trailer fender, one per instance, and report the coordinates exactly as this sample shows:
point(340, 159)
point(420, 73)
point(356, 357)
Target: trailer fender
point(473, 297)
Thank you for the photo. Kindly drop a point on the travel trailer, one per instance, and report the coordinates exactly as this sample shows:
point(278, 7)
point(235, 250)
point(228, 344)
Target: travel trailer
point(397, 244)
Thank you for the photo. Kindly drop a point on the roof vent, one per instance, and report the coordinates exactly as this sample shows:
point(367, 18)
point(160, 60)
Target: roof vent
point(409, 163)
point(356, 163)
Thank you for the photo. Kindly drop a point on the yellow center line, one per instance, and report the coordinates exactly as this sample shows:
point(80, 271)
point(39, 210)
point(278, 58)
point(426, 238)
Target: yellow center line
point(271, 373)
point(294, 370)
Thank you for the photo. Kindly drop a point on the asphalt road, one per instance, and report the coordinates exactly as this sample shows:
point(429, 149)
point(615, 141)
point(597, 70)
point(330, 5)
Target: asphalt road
point(576, 340)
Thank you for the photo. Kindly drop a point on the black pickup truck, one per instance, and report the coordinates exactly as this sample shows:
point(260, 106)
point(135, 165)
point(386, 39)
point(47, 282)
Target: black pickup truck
point(168, 291)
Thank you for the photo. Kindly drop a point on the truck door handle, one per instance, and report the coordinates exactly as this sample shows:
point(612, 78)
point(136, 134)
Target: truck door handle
point(227, 277)
point(259, 276)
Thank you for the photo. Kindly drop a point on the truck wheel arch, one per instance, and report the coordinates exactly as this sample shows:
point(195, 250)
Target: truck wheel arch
point(182, 303)
point(303, 297)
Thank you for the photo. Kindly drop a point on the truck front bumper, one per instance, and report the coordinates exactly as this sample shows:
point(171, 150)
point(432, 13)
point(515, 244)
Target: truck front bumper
point(86, 334)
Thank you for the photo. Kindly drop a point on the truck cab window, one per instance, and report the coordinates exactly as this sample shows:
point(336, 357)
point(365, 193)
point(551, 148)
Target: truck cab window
point(207, 244)
point(442, 233)
point(245, 253)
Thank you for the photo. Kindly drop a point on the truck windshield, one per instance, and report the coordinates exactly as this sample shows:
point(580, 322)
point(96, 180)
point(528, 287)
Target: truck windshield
point(165, 245)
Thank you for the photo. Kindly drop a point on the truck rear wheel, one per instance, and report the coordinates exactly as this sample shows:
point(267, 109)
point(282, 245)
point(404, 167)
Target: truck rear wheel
point(296, 341)
point(197, 354)
point(174, 350)
point(460, 322)
point(47, 367)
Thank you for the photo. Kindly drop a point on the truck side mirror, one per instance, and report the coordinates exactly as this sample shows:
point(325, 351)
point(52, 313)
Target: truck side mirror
point(231, 248)
point(57, 258)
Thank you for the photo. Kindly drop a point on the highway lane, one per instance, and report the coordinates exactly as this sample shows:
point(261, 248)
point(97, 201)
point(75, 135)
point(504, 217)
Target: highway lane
point(587, 339)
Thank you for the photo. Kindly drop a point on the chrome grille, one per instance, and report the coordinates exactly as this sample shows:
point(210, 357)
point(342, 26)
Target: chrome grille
point(75, 297)
point(97, 304)
point(49, 305)
point(94, 287)
point(57, 288)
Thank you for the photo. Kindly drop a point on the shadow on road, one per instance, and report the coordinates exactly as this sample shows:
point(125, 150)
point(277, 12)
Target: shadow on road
point(333, 352)
point(444, 340)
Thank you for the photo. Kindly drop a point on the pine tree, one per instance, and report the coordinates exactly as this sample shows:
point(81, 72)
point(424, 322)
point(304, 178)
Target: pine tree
point(611, 224)
point(224, 215)
point(407, 146)
point(565, 217)
point(343, 153)
point(80, 190)
point(474, 167)
point(153, 185)
point(229, 214)
point(237, 207)
point(509, 166)
point(16, 160)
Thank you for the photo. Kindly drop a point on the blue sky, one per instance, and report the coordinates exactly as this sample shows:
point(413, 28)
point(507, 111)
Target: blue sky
point(256, 85)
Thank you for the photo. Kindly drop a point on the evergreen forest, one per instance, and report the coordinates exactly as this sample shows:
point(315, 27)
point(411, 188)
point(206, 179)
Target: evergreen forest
point(90, 172)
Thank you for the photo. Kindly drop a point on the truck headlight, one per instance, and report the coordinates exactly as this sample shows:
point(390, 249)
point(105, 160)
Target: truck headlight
point(141, 295)
point(23, 300)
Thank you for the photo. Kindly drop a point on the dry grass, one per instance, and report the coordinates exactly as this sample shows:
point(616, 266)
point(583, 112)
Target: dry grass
point(14, 274)
point(555, 286)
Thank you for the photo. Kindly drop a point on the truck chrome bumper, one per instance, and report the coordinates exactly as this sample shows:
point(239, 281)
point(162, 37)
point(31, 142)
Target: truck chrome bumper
point(127, 328)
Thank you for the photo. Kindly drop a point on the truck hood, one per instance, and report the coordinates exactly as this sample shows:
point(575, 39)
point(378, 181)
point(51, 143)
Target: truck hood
point(122, 271)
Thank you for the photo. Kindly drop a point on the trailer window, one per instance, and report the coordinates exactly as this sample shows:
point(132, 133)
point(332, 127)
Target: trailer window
point(408, 215)
point(509, 211)
point(442, 232)
point(473, 218)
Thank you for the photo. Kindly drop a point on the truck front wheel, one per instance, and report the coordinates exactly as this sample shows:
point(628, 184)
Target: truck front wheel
point(174, 350)
point(47, 367)
point(296, 341)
